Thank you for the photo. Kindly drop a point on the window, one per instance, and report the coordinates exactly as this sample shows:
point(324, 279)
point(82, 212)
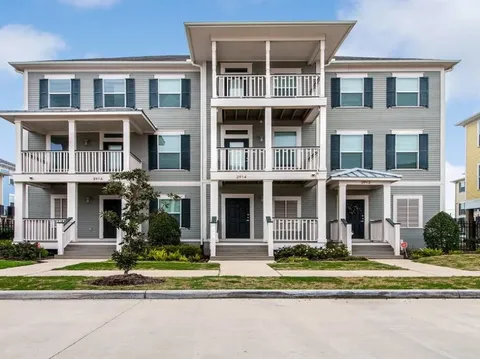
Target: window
point(351, 92)
point(408, 90)
point(11, 199)
point(170, 92)
point(286, 207)
point(114, 92)
point(59, 93)
point(351, 151)
point(461, 209)
point(406, 151)
point(461, 186)
point(11, 181)
point(169, 148)
point(173, 207)
point(408, 210)
point(59, 207)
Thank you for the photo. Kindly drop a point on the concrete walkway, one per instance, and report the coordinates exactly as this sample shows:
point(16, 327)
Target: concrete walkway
point(247, 269)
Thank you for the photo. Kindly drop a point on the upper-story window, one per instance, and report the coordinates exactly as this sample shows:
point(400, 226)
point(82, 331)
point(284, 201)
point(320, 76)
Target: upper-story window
point(407, 90)
point(114, 92)
point(351, 92)
point(351, 148)
point(461, 209)
point(169, 151)
point(169, 93)
point(60, 93)
point(407, 150)
point(461, 186)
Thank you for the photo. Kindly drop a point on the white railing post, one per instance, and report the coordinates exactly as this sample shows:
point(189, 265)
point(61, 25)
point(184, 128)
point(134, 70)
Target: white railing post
point(72, 145)
point(322, 140)
point(213, 139)
point(18, 146)
point(267, 70)
point(342, 199)
point(214, 217)
point(322, 211)
point(387, 213)
point(348, 241)
point(396, 248)
point(20, 202)
point(59, 236)
point(126, 145)
point(267, 211)
point(214, 69)
point(268, 138)
point(322, 68)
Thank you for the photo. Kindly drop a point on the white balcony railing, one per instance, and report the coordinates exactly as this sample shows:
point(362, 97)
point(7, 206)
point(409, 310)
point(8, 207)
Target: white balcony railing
point(376, 230)
point(295, 229)
point(393, 236)
point(346, 234)
point(40, 229)
point(296, 85)
point(98, 161)
point(241, 159)
point(296, 158)
point(241, 85)
point(44, 161)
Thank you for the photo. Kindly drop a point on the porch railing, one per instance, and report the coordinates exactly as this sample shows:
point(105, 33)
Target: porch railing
point(65, 234)
point(98, 161)
point(241, 159)
point(346, 234)
point(296, 85)
point(44, 161)
point(295, 229)
point(334, 230)
point(241, 85)
point(40, 229)
point(393, 236)
point(376, 230)
point(296, 158)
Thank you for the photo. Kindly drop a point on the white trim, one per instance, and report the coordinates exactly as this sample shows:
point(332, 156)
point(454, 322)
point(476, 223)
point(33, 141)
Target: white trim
point(352, 132)
point(230, 65)
point(377, 67)
point(297, 129)
point(169, 76)
point(251, 197)
point(443, 162)
point(478, 133)
point(113, 76)
point(101, 198)
point(417, 184)
point(48, 141)
point(298, 199)
point(223, 135)
point(351, 75)
point(175, 183)
point(166, 196)
point(420, 208)
point(407, 75)
point(169, 132)
point(25, 91)
point(285, 70)
point(478, 176)
point(203, 152)
point(59, 76)
point(366, 219)
point(53, 197)
point(407, 132)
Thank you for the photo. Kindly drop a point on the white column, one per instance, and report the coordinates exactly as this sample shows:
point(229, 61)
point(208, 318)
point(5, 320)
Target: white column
point(267, 212)
point(341, 206)
point(213, 139)
point(20, 195)
point(322, 211)
point(126, 145)
point(268, 139)
point(322, 140)
point(267, 69)
point(18, 146)
point(322, 68)
point(387, 208)
point(214, 213)
point(214, 69)
point(72, 145)
point(72, 203)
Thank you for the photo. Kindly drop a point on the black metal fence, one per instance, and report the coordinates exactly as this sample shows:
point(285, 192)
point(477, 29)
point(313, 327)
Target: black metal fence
point(7, 226)
point(469, 235)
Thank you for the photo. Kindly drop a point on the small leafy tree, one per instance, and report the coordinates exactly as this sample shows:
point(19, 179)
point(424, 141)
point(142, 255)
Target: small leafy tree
point(442, 232)
point(163, 229)
point(134, 188)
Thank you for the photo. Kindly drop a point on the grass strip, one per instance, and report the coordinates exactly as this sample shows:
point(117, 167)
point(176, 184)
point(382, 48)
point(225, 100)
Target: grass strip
point(457, 261)
point(143, 265)
point(6, 263)
point(333, 265)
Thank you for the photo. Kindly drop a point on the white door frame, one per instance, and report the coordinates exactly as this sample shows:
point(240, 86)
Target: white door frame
point(100, 210)
point(224, 135)
point(250, 196)
point(53, 197)
point(365, 197)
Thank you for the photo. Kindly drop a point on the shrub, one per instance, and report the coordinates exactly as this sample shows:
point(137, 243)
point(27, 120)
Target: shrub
point(442, 232)
point(183, 252)
point(125, 260)
point(424, 252)
point(456, 252)
point(293, 259)
point(312, 253)
point(6, 233)
point(22, 251)
point(163, 230)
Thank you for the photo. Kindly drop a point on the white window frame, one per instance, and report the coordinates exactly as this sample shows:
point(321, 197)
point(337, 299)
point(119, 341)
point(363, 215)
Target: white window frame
point(53, 197)
point(418, 150)
point(460, 215)
point(224, 135)
point(363, 90)
point(176, 134)
point(124, 93)
point(297, 129)
point(420, 209)
point(297, 199)
point(60, 93)
point(10, 196)
point(363, 149)
point(460, 186)
point(173, 77)
point(164, 197)
point(397, 92)
point(236, 65)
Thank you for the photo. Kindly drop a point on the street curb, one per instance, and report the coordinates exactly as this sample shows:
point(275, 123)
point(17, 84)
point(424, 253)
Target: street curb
point(238, 294)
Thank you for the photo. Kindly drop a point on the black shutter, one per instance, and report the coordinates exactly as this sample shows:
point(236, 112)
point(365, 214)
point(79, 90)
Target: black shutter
point(186, 213)
point(424, 91)
point(153, 93)
point(152, 152)
point(98, 93)
point(390, 152)
point(186, 97)
point(368, 152)
point(44, 93)
point(153, 207)
point(130, 85)
point(391, 91)
point(335, 92)
point(368, 92)
point(75, 93)
point(334, 152)
point(185, 155)
point(423, 154)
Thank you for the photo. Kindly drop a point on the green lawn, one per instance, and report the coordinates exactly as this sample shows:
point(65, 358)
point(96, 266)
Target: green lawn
point(457, 261)
point(333, 265)
point(71, 283)
point(147, 265)
point(5, 263)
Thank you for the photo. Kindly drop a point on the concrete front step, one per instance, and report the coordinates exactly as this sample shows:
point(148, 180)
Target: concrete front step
point(87, 251)
point(241, 258)
point(238, 252)
point(374, 251)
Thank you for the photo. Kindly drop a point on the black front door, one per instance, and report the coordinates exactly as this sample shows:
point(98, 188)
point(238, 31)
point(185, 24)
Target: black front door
point(356, 216)
point(237, 217)
point(115, 205)
point(237, 159)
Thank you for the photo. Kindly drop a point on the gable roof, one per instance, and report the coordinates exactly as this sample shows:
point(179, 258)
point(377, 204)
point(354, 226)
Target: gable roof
point(471, 119)
point(362, 173)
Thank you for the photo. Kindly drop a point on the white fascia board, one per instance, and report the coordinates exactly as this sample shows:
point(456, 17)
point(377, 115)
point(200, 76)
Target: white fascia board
point(407, 132)
point(170, 132)
point(59, 76)
point(113, 76)
point(407, 74)
point(170, 76)
point(351, 75)
point(352, 132)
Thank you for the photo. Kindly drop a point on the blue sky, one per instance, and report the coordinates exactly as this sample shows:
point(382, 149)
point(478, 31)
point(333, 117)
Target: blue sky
point(86, 28)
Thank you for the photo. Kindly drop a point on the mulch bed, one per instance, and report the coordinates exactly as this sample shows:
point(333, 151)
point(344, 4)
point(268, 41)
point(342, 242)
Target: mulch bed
point(129, 279)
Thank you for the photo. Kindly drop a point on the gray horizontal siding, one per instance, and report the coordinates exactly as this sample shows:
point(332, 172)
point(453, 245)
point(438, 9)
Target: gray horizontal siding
point(36, 142)
point(380, 120)
point(88, 225)
point(39, 200)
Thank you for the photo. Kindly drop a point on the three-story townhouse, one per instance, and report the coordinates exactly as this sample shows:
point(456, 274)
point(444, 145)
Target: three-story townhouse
point(267, 136)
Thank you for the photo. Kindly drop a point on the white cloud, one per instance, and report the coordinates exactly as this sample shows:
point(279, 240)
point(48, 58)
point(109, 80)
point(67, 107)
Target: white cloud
point(90, 4)
point(419, 28)
point(25, 43)
point(452, 173)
